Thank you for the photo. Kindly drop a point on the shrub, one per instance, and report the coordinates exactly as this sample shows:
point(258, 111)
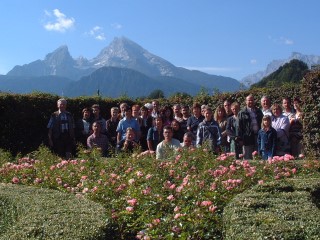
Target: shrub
point(181, 197)
point(310, 93)
point(35, 213)
point(287, 209)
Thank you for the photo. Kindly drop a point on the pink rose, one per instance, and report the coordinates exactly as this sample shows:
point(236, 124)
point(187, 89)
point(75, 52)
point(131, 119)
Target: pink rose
point(132, 201)
point(15, 180)
point(129, 209)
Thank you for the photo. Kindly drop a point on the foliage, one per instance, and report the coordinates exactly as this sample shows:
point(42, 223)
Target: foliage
point(182, 197)
point(310, 93)
point(291, 72)
point(155, 94)
point(287, 209)
point(35, 213)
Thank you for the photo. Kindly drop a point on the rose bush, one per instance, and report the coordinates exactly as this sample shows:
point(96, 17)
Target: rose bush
point(181, 197)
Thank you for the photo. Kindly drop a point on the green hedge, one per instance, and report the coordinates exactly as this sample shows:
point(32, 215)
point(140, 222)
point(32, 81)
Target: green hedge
point(311, 102)
point(277, 210)
point(35, 213)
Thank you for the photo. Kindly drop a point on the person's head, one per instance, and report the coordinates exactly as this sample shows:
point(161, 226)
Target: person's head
point(175, 125)
point(185, 111)
point(266, 121)
point(177, 109)
point(286, 103)
point(114, 112)
point(123, 107)
point(219, 113)
point(265, 102)
point(250, 101)
point(158, 122)
point(135, 110)
point(127, 112)
point(227, 106)
point(297, 104)
point(96, 127)
point(203, 108)
point(62, 104)
point(167, 133)
point(276, 110)
point(208, 114)
point(95, 109)
point(235, 107)
point(130, 134)
point(155, 105)
point(144, 111)
point(149, 106)
point(167, 112)
point(187, 139)
point(196, 109)
point(86, 113)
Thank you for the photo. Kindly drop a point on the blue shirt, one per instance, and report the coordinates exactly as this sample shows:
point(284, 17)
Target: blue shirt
point(125, 123)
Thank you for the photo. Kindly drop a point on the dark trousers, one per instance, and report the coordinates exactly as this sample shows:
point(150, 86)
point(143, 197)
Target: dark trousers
point(63, 146)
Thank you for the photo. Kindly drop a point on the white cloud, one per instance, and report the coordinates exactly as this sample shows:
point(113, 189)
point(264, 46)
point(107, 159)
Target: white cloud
point(97, 33)
point(281, 40)
point(61, 23)
point(253, 61)
point(116, 25)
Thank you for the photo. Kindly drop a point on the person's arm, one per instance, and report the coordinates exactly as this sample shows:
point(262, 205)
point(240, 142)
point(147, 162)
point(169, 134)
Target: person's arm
point(118, 136)
point(199, 136)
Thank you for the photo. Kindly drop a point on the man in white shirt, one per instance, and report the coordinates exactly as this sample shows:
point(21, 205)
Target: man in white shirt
point(164, 148)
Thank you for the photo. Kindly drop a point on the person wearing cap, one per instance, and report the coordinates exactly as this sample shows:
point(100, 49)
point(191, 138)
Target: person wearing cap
point(127, 121)
point(61, 130)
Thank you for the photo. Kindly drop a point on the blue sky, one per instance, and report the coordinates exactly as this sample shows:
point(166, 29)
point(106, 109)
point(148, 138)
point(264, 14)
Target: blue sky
point(227, 37)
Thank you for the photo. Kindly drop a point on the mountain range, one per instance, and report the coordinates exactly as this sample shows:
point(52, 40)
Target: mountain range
point(276, 64)
point(122, 68)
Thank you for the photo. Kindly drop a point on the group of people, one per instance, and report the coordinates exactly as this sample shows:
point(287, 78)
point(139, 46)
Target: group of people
point(151, 128)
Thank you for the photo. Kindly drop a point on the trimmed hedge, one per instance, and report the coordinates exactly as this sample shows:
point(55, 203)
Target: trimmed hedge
point(35, 213)
point(277, 210)
point(311, 102)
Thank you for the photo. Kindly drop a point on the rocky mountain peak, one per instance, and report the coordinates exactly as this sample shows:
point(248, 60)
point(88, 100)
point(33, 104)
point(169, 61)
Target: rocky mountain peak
point(59, 56)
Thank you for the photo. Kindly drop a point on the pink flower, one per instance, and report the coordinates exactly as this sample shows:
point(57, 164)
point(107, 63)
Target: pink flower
point(85, 190)
point(15, 180)
point(84, 178)
point(213, 186)
point(146, 191)
point(129, 209)
point(173, 186)
point(213, 208)
point(132, 202)
point(260, 182)
point(176, 209)
point(156, 221)
point(293, 170)
point(148, 176)
point(255, 153)
point(205, 203)
point(139, 173)
point(131, 181)
point(178, 215)
point(179, 189)
point(52, 167)
point(170, 197)
point(301, 155)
